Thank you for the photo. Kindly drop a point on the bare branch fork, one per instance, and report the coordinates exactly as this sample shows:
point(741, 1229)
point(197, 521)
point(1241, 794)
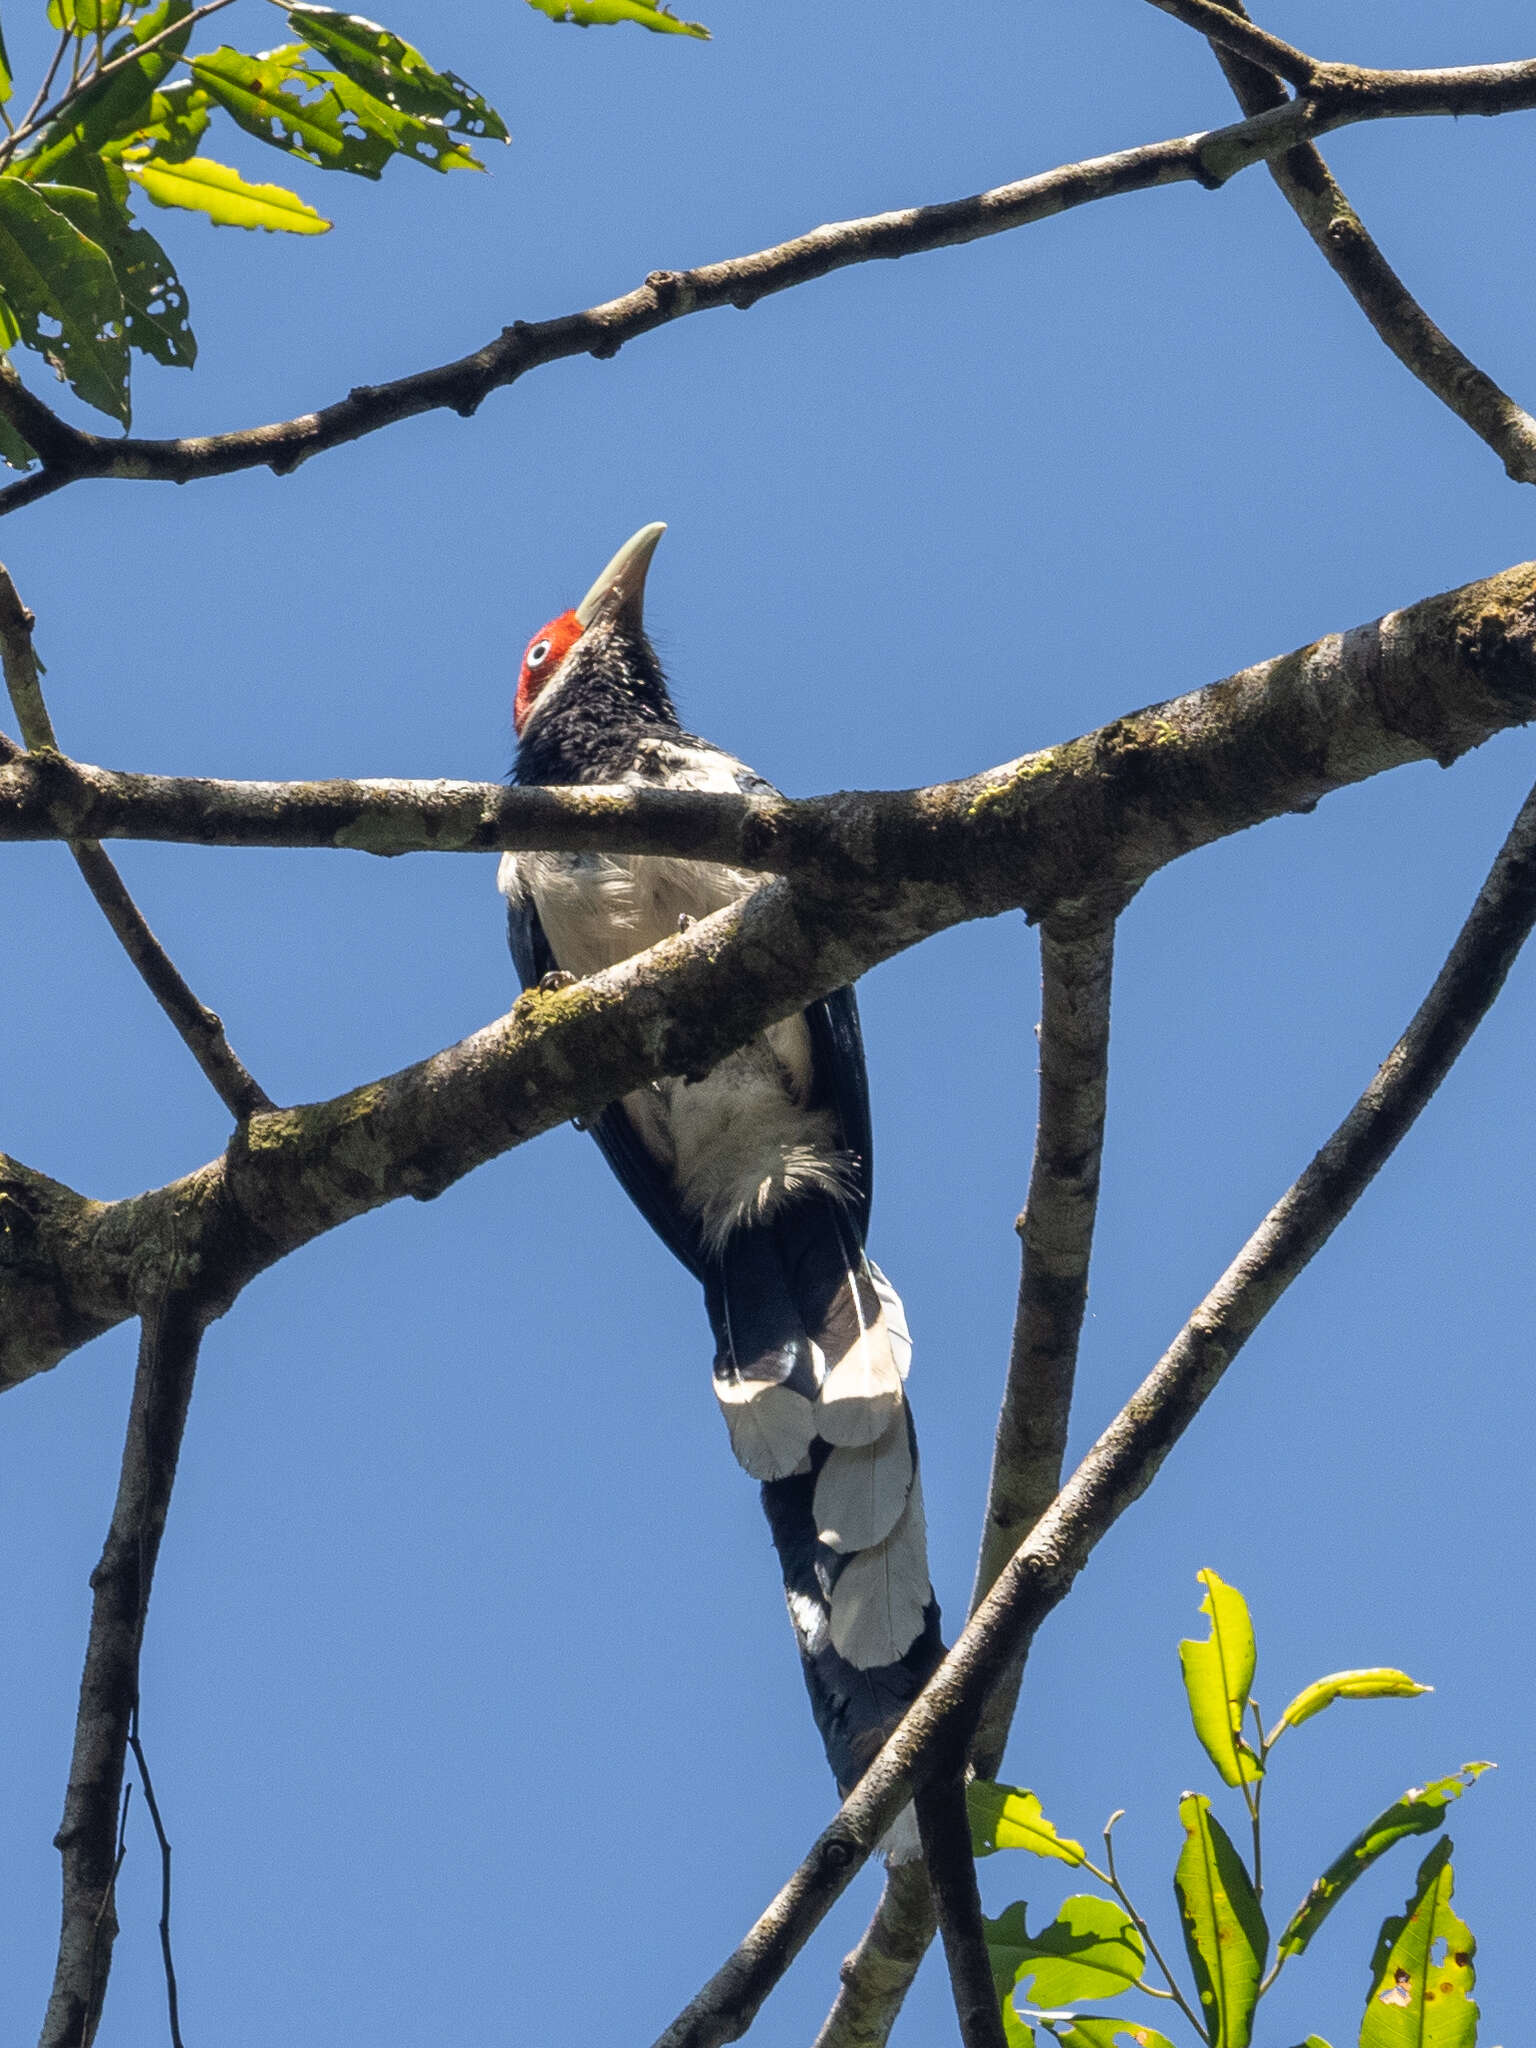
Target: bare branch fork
point(1127, 1457)
point(199, 1028)
point(1332, 96)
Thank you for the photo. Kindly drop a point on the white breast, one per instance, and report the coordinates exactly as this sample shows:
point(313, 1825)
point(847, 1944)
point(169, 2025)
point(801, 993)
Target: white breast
point(741, 1141)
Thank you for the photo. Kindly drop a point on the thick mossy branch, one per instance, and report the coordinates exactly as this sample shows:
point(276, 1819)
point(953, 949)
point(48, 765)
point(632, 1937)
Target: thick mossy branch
point(1069, 833)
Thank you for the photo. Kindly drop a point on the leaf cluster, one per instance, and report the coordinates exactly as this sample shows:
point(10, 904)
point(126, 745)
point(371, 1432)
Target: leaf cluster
point(124, 110)
point(1097, 1948)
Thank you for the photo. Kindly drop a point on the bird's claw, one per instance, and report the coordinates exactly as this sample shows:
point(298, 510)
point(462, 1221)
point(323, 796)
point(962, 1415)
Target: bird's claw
point(557, 978)
point(684, 921)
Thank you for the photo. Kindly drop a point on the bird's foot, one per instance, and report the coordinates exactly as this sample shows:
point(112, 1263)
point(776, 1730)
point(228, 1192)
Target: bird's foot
point(548, 983)
point(685, 922)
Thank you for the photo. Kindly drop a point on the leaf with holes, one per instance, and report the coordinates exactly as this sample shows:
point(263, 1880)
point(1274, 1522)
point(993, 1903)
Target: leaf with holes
point(604, 13)
point(1422, 1973)
point(1224, 1931)
point(278, 100)
point(405, 135)
point(60, 286)
point(1090, 1950)
point(392, 70)
point(201, 185)
point(1217, 1676)
point(154, 301)
point(1088, 2030)
point(1007, 1817)
point(1420, 1810)
point(1376, 1684)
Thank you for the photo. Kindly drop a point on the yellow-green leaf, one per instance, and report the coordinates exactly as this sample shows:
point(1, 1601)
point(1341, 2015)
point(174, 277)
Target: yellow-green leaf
point(6, 82)
point(276, 98)
point(1008, 1817)
point(1090, 1950)
point(1379, 1683)
point(1224, 1931)
point(202, 186)
point(1087, 2030)
point(1217, 1677)
point(1420, 1810)
point(1421, 1973)
point(603, 13)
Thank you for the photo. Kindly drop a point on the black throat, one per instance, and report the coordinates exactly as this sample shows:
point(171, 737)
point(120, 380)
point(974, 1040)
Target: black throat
point(609, 695)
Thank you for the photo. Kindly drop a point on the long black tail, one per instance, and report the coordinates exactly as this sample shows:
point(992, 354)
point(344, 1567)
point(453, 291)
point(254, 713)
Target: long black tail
point(812, 1350)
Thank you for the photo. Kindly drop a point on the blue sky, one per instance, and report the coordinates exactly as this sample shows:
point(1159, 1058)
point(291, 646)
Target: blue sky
point(469, 1693)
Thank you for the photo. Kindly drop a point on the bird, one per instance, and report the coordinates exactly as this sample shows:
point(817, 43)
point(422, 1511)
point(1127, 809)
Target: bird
point(757, 1176)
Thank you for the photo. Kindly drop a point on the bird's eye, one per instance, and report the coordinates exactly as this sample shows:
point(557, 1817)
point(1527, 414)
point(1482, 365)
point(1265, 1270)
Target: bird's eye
point(537, 654)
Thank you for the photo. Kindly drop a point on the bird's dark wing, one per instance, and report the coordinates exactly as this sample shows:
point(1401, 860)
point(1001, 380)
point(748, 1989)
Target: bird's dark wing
point(837, 1062)
point(648, 1186)
point(531, 953)
point(637, 1171)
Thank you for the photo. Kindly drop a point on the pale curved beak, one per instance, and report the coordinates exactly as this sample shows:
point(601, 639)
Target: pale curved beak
point(618, 595)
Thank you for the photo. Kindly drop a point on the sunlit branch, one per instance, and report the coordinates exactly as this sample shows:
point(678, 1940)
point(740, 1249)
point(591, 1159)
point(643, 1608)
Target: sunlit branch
point(1337, 96)
point(1128, 1456)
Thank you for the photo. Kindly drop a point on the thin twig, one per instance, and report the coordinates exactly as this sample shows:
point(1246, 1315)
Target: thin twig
point(97, 74)
point(1111, 1877)
point(109, 1688)
point(1339, 96)
point(172, 1999)
point(1423, 348)
point(1056, 1228)
point(200, 1029)
point(1128, 1456)
point(946, 1837)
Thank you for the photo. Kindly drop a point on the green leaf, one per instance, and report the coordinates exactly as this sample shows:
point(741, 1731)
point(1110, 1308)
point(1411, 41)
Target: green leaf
point(7, 79)
point(203, 186)
point(422, 142)
point(392, 70)
point(1217, 1675)
point(1090, 1950)
point(1015, 2033)
point(154, 301)
point(87, 17)
point(603, 13)
point(1007, 1817)
point(1377, 1684)
point(1421, 1972)
point(177, 121)
point(1420, 1810)
point(1224, 1931)
point(1087, 2030)
point(60, 285)
point(278, 100)
point(118, 104)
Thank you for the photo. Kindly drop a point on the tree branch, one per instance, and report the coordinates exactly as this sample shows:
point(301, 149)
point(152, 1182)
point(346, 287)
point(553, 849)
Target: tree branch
point(199, 1029)
point(1337, 96)
point(1128, 1456)
point(1231, 29)
point(1067, 834)
point(109, 1689)
point(1057, 1232)
point(945, 1828)
point(1420, 346)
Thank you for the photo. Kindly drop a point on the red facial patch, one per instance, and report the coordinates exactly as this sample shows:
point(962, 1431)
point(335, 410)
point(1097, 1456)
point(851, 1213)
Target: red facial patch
point(546, 650)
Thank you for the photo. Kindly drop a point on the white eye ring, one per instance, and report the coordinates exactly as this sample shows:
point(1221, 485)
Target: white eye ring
point(537, 654)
